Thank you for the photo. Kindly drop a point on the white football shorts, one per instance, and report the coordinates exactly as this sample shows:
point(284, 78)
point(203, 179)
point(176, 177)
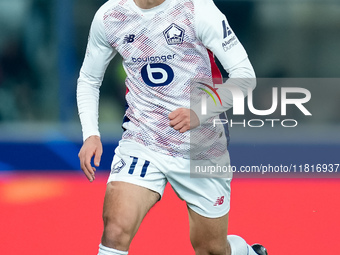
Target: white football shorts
point(136, 164)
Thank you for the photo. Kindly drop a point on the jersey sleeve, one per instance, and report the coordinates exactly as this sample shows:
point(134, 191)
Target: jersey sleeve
point(99, 52)
point(98, 56)
point(213, 30)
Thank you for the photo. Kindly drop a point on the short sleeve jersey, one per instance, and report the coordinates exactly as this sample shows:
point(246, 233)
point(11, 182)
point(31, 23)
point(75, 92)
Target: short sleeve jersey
point(163, 49)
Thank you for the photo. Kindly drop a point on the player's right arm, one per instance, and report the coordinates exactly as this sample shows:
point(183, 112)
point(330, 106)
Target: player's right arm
point(98, 55)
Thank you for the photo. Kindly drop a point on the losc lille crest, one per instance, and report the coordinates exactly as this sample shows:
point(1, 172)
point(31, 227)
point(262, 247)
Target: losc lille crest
point(174, 34)
point(118, 166)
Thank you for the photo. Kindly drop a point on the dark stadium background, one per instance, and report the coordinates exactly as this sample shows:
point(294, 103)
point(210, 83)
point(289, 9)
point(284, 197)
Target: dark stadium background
point(48, 207)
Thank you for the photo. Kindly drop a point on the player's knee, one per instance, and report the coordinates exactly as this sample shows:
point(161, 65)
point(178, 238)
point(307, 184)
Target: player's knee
point(116, 234)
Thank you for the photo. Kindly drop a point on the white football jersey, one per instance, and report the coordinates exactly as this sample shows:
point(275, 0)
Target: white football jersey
point(163, 49)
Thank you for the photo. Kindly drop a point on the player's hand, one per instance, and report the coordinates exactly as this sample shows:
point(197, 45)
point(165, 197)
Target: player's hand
point(91, 147)
point(183, 119)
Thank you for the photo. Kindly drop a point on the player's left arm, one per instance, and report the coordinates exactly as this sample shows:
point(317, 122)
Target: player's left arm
point(214, 31)
point(183, 119)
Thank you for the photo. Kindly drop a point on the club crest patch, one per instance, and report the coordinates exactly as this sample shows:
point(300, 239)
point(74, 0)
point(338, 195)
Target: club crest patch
point(117, 167)
point(174, 34)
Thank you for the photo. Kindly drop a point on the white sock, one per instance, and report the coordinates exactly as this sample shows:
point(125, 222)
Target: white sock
point(239, 246)
point(109, 251)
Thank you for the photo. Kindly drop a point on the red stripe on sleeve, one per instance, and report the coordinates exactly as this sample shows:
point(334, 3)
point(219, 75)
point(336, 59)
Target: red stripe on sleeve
point(215, 71)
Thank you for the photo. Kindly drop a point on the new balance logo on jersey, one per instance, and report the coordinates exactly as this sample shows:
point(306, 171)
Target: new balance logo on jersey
point(174, 34)
point(219, 201)
point(129, 38)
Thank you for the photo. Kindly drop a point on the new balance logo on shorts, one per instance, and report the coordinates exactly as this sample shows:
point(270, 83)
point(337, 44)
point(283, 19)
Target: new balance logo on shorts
point(219, 201)
point(129, 38)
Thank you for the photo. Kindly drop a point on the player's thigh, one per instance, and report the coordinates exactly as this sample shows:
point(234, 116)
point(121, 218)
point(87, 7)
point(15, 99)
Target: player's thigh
point(125, 206)
point(208, 234)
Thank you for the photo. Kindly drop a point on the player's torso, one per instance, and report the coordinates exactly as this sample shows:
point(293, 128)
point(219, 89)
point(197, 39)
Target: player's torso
point(159, 46)
point(161, 55)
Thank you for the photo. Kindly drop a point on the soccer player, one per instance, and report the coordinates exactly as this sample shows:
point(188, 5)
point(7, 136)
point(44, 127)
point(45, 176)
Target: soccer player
point(165, 44)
